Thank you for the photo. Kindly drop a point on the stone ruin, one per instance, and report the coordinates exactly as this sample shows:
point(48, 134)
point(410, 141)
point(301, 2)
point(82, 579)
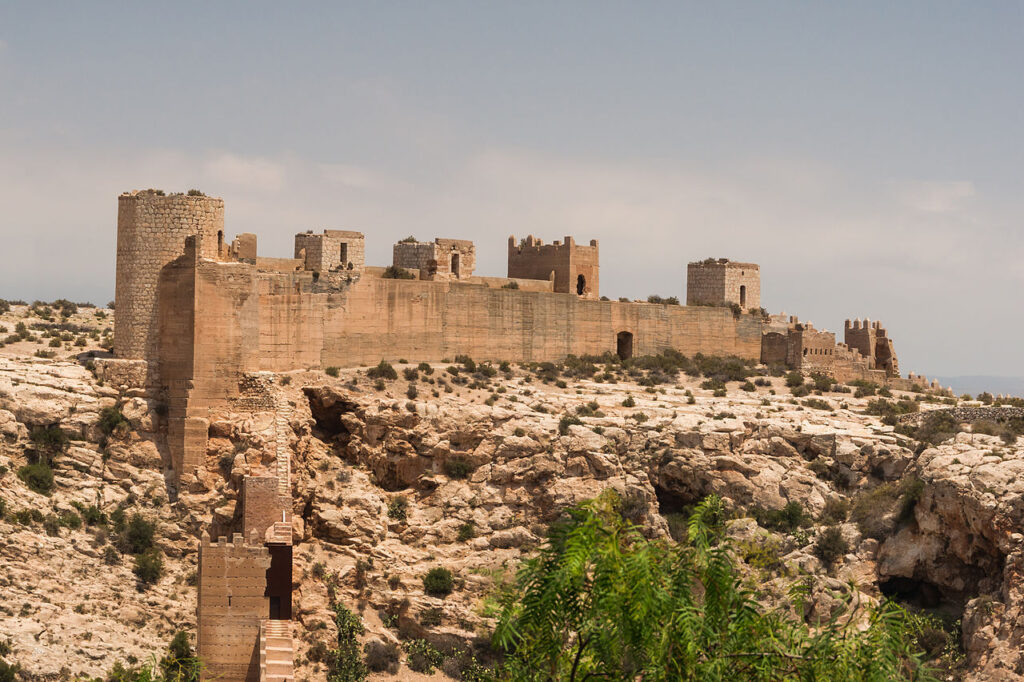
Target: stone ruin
point(202, 324)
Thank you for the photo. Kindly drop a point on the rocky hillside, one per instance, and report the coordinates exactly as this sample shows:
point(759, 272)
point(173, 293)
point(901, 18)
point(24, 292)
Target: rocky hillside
point(463, 467)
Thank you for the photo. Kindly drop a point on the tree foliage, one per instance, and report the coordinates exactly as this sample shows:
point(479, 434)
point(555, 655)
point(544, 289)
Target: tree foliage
point(600, 601)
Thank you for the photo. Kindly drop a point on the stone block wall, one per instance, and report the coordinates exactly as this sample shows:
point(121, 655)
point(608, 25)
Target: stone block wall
point(232, 586)
point(723, 282)
point(151, 232)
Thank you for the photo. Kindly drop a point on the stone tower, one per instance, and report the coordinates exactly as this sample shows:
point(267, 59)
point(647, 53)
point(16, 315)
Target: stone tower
point(151, 232)
point(722, 282)
point(574, 267)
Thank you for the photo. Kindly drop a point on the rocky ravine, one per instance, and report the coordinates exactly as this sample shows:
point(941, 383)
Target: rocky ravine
point(358, 448)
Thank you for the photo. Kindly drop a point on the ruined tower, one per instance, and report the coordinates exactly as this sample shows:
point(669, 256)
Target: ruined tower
point(574, 267)
point(439, 259)
point(332, 251)
point(720, 282)
point(872, 341)
point(151, 232)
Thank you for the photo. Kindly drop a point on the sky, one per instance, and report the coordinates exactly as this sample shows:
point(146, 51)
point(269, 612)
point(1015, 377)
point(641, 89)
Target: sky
point(867, 155)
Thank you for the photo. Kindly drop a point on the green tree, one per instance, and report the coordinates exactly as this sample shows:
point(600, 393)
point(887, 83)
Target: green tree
point(600, 601)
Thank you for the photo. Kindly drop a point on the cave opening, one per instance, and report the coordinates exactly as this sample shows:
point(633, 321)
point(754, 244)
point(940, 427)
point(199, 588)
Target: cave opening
point(327, 410)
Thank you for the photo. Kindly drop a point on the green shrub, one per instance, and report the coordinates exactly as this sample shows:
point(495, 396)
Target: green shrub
point(111, 557)
point(425, 368)
point(794, 379)
point(836, 510)
point(830, 545)
point(597, 575)
point(149, 566)
point(510, 285)
point(411, 392)
point(49, 440)
point(871, 509)
point(787, 519)
point(111, 420)
point(911, 489)
point(331, 371)
point(396, 272)
point(398, 508)
point(345, 662)
point(457, 467)
point(70, 520)
point(138, 535)
point(438, 582)
point(822, 382)
point(383, 370)
point(431, 617)
point(467, 531)
point(38, 477)
point(566, 421)
point(800, 391)
point(629, 402)
point(817, 404)
point(421, 656)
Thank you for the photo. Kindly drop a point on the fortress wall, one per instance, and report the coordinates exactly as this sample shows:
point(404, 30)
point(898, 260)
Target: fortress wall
point(428, 321)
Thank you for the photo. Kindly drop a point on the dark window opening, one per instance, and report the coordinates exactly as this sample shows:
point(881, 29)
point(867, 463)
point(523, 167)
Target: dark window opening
point(220, 242)
point(743, 295)
point(455, 265)
point(581, 285)
point(344, 255)
point(624, 345)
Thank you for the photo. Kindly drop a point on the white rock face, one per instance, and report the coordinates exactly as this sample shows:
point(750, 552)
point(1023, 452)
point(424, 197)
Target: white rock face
point(481, 485)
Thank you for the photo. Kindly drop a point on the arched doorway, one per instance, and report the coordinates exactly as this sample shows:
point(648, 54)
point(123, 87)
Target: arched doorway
point(581, 285)
point(624, 345)
point(455, 264)
point(743, 295)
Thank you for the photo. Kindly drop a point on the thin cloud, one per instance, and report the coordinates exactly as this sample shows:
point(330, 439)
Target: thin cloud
point(935, 197)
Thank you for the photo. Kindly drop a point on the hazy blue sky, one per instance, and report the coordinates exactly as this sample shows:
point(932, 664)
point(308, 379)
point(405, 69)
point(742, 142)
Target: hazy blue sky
point(867, 155)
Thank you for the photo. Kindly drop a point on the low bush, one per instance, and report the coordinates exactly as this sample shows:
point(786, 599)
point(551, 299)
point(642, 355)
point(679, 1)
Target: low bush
point(467, 531)
point(383, 370)
point(786, 520)
point(138, 535)
point(457, 467)
point(396, 272)
point(381, 656)
point(438, 582)
point(38, 477)
point(794, 379)
point(817, 404)
point(149, 566)
point(629, 402)
point(398, 508)
point(421, 656)
point(871, 511)
point(566, 421)
point(111, 420)
point(830, 546)
point(331, 372)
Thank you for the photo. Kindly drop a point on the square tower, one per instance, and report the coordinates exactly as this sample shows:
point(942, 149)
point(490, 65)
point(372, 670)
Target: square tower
point(439, 259)
point(332, 251)
point(722, 282)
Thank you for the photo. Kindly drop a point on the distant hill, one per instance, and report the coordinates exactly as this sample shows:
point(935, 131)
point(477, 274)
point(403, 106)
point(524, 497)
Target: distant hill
point(979, 384)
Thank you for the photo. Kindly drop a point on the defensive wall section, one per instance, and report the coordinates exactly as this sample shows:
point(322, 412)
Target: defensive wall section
point(196, 316)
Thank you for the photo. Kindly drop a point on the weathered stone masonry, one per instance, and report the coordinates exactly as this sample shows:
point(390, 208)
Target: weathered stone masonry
point(201, 322)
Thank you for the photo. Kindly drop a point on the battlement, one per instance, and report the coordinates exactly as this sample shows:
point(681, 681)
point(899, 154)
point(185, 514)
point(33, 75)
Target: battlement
point(574, 268)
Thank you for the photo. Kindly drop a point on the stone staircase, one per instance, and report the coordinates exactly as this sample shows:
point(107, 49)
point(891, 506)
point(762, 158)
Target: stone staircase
point(277, 652)
point(282, 427)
